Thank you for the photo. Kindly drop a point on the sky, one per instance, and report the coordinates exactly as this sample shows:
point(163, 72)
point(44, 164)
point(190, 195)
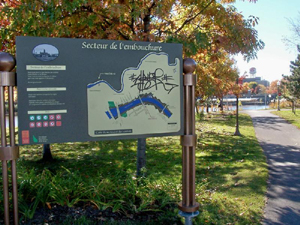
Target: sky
point(274, 60)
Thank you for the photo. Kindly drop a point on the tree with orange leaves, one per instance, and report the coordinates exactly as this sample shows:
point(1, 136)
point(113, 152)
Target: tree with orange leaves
point(210, 31)
point(273, 89)
point(245, 88)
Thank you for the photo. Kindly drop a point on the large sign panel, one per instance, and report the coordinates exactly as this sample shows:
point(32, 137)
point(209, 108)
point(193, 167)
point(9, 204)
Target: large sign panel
point(88, 90)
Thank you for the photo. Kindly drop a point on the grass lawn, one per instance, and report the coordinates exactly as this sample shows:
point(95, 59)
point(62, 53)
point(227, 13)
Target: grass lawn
point(289, 116)
point(95, 182)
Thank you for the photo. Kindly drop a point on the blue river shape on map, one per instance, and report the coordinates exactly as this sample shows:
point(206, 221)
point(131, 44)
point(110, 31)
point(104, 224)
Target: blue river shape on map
point(137, 102)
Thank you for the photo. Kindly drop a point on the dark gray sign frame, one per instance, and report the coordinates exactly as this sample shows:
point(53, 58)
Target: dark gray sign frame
point(53, 75)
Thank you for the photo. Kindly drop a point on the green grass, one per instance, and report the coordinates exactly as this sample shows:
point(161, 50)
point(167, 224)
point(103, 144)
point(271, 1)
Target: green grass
point(289, 116)
point(231, 175)
point(234, 169)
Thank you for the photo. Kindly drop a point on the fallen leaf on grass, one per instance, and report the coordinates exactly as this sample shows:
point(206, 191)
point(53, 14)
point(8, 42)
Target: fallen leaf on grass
point(48, 205)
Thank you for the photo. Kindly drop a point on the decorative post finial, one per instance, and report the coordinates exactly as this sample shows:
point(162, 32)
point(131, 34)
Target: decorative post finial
point(7, 62)
point(189, 65)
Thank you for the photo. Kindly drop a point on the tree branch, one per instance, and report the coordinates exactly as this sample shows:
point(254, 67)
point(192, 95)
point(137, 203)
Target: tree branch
point(147, 19)
point(119, 32)
point(194, 17)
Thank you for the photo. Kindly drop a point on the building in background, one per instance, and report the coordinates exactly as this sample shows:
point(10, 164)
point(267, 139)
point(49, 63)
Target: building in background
point(254, 78)
point(258, 80)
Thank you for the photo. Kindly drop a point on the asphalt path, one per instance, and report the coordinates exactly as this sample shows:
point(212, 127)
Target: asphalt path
point(281, 144)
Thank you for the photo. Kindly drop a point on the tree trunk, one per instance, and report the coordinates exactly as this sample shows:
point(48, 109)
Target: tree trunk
point(47, 156)
point(141, 156)
point(293, 107)
point(196, 106)
point(237, 130)
point(221, 104)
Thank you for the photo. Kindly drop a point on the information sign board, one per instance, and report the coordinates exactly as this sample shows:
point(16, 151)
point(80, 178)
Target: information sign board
point(87, 90)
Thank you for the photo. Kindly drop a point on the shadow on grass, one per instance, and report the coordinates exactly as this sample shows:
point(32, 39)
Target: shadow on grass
point(107, 170)
point(228, 156)
point(229, 120)
point(112, 157)
point(232, 167)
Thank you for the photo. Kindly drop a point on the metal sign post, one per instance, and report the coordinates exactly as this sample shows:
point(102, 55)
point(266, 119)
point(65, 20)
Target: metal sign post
point(189, 206)
point(8, 152)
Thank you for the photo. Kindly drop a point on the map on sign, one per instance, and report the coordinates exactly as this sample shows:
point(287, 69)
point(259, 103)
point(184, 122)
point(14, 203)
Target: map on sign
point(144, 103)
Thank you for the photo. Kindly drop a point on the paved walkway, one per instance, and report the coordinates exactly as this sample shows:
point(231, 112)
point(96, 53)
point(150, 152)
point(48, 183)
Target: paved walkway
point(281, 144)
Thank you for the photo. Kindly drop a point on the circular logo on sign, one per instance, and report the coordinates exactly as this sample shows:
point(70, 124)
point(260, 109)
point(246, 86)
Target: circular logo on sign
point(45, 52)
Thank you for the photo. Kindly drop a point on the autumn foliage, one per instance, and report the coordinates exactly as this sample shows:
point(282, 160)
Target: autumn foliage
point(211, 31)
